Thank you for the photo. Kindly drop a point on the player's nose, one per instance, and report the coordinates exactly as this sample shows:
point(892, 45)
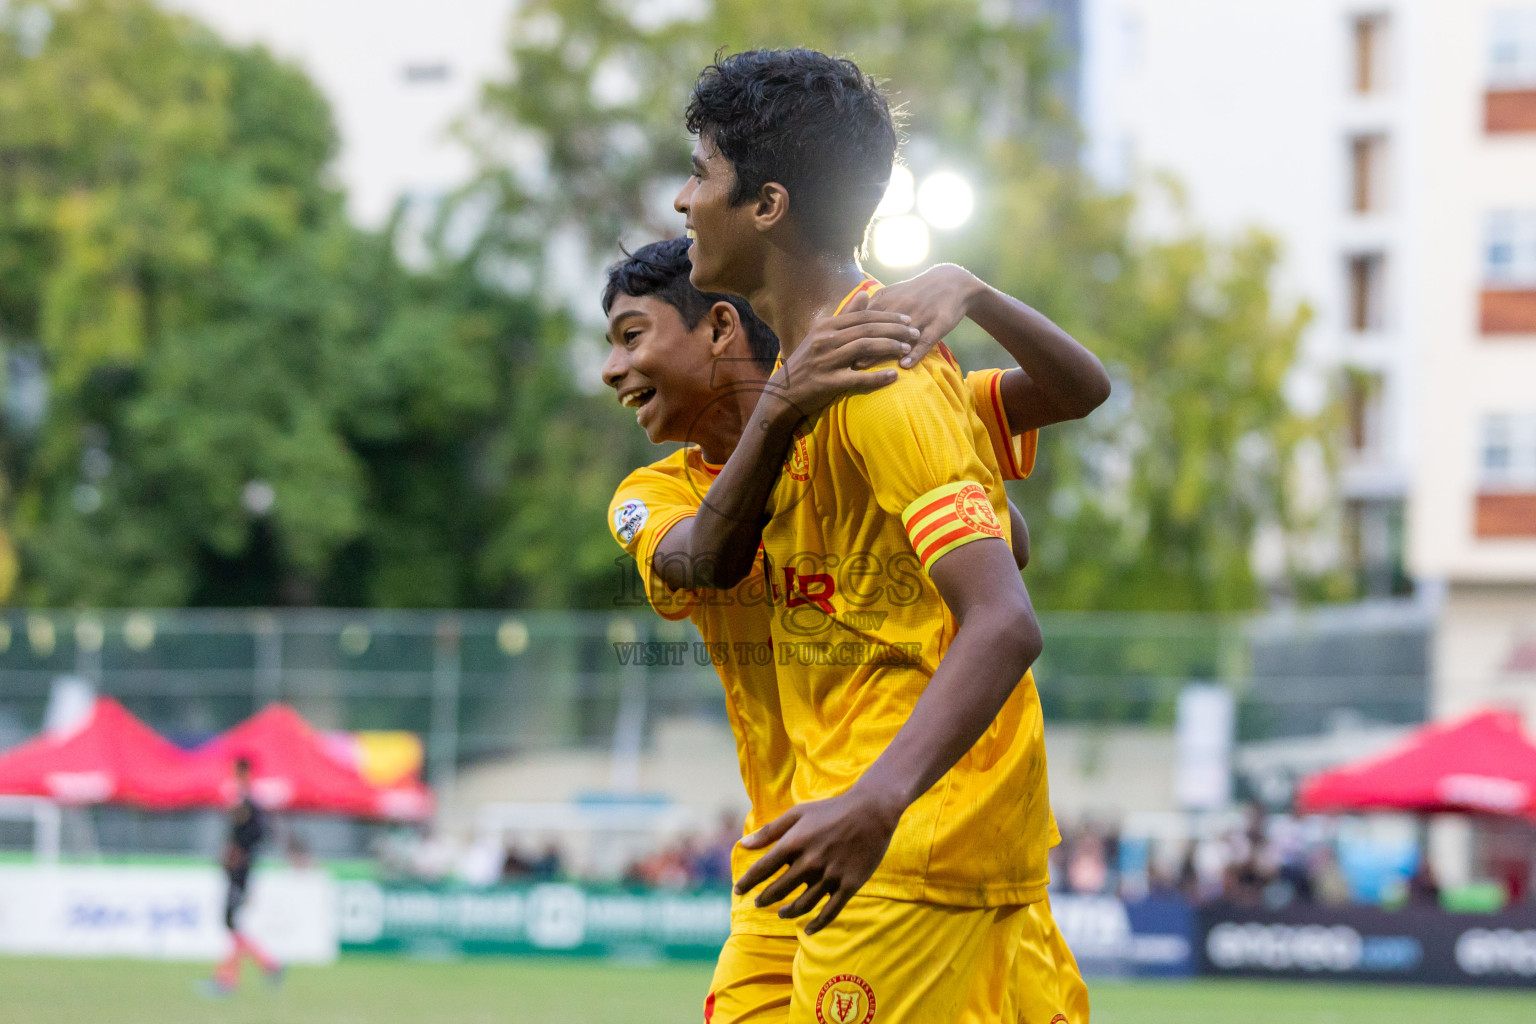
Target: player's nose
point(615, 366)
point(684, 195)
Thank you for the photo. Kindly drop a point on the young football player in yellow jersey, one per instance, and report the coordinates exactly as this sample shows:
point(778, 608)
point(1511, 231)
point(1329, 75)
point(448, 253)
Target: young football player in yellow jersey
point(902, 630)
point(676, 355)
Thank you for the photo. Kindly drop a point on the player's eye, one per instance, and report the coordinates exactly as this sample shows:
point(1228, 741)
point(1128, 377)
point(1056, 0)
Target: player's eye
point(631, 335)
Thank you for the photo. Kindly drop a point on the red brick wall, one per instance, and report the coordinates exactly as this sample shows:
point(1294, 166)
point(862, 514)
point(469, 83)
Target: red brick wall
point(1506, 515)
point(1510, 110)
point(1509, 312)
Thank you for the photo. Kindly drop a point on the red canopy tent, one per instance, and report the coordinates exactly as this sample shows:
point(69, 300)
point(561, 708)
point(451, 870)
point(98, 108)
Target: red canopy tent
point(108, 757)
point(1482, 764)
point(292, 769)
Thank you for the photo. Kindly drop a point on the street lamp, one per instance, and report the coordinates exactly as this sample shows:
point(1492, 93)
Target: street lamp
point(945, 200)
point(901, 241)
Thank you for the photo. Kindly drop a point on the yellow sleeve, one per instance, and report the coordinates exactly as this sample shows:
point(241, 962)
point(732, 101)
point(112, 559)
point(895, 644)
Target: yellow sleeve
point(915, 441)
point(1015, 453)
point(646, 505)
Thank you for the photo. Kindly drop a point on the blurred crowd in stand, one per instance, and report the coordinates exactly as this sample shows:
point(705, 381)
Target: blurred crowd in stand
point(1268, 861)
point(1263, 860)
point(681, 862)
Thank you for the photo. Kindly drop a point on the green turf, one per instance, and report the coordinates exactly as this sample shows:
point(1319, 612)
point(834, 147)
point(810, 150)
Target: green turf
point(388, 991)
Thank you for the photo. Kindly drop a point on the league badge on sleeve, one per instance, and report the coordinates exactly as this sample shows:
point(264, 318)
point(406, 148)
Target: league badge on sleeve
point(629, 518)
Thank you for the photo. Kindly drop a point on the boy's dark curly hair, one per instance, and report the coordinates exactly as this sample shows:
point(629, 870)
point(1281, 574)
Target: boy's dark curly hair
point(813, 123)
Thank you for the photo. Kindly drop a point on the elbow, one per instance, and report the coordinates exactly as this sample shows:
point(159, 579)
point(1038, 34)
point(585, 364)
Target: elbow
point(1100, 389)
point(1029, 641)
point(1016, 636)
point(1094, 391)
point(719, 572)
point(725, 575)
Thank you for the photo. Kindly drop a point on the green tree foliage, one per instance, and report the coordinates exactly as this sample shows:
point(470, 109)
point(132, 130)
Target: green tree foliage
point(249, 401)
point(1152, 503)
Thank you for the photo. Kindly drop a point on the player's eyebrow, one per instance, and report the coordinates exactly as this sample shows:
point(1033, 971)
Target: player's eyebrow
point(617, 322)
point(698, 164)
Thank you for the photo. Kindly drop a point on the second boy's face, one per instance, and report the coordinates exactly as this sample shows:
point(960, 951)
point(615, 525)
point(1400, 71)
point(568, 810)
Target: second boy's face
point(658, 367)
point(723, 253)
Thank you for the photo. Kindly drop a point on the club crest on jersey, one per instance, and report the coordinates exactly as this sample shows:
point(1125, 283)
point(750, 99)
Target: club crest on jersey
point(798, 463)
point(846, 999)
point(628, 518)
point(975, 510)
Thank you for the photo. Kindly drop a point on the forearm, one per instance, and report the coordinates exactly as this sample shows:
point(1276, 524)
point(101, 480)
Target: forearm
point(1061, 379)
point(988, 657)
point(724, 538)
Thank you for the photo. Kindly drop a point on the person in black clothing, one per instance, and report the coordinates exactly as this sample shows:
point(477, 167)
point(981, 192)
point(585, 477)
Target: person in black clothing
point(247, 829)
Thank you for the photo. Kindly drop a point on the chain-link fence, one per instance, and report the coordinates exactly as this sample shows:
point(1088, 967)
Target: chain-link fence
point(486, 684)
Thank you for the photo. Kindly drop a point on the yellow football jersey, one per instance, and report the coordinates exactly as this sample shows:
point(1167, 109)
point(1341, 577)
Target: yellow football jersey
point(1015, 453)
point(878, 487)
point(735, 625)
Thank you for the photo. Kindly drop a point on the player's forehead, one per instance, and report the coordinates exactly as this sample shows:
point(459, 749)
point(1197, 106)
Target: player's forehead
point(707, 154)
point(641, 310)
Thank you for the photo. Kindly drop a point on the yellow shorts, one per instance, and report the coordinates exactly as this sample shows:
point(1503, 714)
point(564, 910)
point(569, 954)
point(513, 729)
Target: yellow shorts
point(913, 963)
point(753, 980)
point(1046, 985)
point(1023, 971)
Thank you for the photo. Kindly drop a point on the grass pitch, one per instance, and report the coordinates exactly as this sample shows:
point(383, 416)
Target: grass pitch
point(367, 990)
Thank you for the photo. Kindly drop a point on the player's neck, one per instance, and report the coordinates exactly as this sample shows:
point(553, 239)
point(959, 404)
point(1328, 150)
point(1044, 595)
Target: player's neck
point(718, 430)
point(798, 288)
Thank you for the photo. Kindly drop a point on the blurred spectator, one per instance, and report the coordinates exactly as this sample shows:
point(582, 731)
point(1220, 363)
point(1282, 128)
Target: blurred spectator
point(1423, 888)
point(480, 862)
point(549, 866)
point(1087, 864)
point(1329, 886)
point(712, 861)
point(297, 853)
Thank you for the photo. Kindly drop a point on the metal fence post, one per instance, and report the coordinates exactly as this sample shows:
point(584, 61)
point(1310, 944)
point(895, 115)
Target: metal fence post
point(447, 668)
point(268, 688)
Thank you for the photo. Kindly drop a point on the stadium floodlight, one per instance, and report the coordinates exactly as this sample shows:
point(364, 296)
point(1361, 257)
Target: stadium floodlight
point(945, 199)
point(901, 241)
point(898, 194)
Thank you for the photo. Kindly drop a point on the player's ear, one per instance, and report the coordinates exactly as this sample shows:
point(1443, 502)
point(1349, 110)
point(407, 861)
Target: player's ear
point(724, 328)
point(771, 206)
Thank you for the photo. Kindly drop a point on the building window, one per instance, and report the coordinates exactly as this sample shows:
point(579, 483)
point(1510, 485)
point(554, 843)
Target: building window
point(1506, 493)
point(1508, 458)
point(1509, 273)
point(1510, 103)
point(1509, 253)
point(1367, 272)
point(1367, 170)
point(1370, 33)
point(1363, 411)
point(1512, 48)
point(1374, 544)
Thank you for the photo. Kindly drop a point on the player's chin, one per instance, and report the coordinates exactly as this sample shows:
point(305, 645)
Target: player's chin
point(656, 423)
point(703, 277)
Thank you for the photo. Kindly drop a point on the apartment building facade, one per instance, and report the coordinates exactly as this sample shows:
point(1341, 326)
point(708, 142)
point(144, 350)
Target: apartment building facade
point(1391, 146)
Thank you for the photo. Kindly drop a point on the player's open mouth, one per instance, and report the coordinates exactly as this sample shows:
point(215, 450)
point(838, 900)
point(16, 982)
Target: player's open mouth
point(692, 234)
point(637, 398)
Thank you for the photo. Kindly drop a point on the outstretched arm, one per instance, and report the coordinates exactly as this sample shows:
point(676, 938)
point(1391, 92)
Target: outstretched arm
point(1058, 378)
point(833, 846)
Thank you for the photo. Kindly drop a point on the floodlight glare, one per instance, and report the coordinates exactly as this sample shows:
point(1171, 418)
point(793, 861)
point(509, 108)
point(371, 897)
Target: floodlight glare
point(945, 199)
point(898, 194)
point(901, 241)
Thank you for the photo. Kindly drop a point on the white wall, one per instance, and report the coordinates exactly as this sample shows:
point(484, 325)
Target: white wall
point(395, 134)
